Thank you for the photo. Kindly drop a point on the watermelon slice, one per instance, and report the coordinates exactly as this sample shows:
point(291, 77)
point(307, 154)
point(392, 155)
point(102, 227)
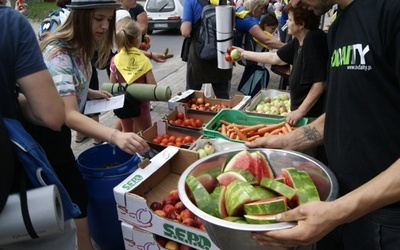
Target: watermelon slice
point(265, 193)
point(266, 206)
point(260, 219)
point(217, 205)
point(308, 191)
point(237, 194)
point(241, 160)
point(278, 187)
point(262, 166)
point(201, 196)
point(237, 219)
point(227, 177)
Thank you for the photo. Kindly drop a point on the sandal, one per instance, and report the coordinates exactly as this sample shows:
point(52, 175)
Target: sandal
point(79, 139)
point(97, 142)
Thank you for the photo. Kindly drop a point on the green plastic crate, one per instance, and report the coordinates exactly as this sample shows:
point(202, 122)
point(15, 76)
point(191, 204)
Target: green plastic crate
point(238, 117)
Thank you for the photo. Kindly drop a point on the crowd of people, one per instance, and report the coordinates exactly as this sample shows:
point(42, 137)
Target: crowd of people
point(334, 75)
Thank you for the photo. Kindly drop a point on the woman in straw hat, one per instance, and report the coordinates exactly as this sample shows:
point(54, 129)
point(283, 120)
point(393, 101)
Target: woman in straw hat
point(67, 53)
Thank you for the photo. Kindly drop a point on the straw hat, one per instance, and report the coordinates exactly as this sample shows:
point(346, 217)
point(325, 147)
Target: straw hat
point(93, 4)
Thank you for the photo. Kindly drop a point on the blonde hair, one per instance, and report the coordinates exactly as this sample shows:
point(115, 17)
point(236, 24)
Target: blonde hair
point(128, 34)
point(76, 35)
point(251, 5)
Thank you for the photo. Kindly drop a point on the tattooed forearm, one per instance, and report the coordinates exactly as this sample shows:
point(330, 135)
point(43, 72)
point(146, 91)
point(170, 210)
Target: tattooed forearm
point(311, 133)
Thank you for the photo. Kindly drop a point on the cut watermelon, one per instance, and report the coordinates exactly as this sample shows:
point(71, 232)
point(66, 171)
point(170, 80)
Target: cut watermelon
point(278, 187)
point(266, 206)
point(241, 160)
point(262, 166)
point(200, 194)
point(217, 205)
point(208, 181)
point(265, 193)
point(260, 219)
point(227, 177)
point(237, 194)
point(237, 219)
point(308, 191)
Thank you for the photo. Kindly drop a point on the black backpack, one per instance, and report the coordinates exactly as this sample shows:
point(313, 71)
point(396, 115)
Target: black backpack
point(206, 45)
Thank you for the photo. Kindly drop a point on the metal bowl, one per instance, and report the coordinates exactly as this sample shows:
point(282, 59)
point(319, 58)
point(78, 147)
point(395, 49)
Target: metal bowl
point(231, 235)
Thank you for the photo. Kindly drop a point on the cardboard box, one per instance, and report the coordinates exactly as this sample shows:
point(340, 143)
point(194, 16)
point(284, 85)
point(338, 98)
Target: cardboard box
point(250, 108)
point(138, 239)
point(237, 102)
point(204, 116)
point(152, 183)
point(161, 127)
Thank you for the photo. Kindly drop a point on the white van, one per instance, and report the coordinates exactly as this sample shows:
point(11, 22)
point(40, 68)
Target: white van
point(163, 14)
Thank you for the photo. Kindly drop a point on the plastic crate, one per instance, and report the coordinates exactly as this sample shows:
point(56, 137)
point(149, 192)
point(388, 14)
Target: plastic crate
point(238, 117)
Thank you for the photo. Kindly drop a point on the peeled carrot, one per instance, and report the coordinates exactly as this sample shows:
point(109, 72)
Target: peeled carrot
point(239, 133)
point(224, 122)
point(253, 137)
point(223, 129)
point(252, 128)
point(289, 128)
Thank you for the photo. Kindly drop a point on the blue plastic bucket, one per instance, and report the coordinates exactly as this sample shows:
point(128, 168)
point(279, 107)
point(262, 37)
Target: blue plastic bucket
point(102, 170)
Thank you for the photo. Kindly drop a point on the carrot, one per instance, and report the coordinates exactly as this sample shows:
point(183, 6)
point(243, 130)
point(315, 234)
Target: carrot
point(275, 132)
point(289, 128)
point(241, 136)
point(272, 127)
point(253, 137)
point(224, 122)
point(232, 136)
point(284, 130)
point(252, 128)
point(223, 129)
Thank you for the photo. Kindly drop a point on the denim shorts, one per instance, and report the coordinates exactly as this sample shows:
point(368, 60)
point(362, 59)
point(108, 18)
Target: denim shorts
point(377, 230)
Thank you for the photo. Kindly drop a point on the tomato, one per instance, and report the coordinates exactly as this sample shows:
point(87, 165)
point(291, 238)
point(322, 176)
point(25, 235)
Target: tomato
point(172, 122)
point(188, 139)
point(229, 50)
point(178, 122)
point(165, 136)
point(178, 144)
point(193, 124)
point(180, 115)
point(165, 141)
point(199, 123)
point(228, 58)
point(156, 140)
point(186, 122)
point(172, 139)
point(179, 139)
point(170, 144)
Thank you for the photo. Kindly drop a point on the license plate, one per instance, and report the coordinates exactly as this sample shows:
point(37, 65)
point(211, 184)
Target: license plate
point(161, 25)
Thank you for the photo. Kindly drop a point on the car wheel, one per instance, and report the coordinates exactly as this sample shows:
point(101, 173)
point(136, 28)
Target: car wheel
point(149, 32)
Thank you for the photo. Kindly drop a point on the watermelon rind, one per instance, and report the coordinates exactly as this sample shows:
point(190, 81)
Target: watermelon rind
point(266, 206)
point(237, 219)
point(260, 219)
point(308, 191)
point(292, 177)
point(265, 193)
point(237, 194)
point(200, 194)
point(217, 204)
point(236, 174)
point(278, 187)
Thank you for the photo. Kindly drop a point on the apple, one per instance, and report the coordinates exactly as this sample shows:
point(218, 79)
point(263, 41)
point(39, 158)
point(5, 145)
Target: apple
point(209, 148)
point(235, 54)
point(160, 213)
point(156, 206)
point(186, 213)
point(189, 222)
point(267, 99)
point(172, 245)
point(179, 207)
point(202, 153)
point(200, 100)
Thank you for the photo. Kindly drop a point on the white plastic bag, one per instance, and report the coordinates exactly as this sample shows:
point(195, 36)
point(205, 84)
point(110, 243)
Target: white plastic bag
point(208, 90)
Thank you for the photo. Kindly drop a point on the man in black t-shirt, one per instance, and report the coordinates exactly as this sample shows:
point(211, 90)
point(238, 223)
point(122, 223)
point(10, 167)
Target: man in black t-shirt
point(360, 131)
